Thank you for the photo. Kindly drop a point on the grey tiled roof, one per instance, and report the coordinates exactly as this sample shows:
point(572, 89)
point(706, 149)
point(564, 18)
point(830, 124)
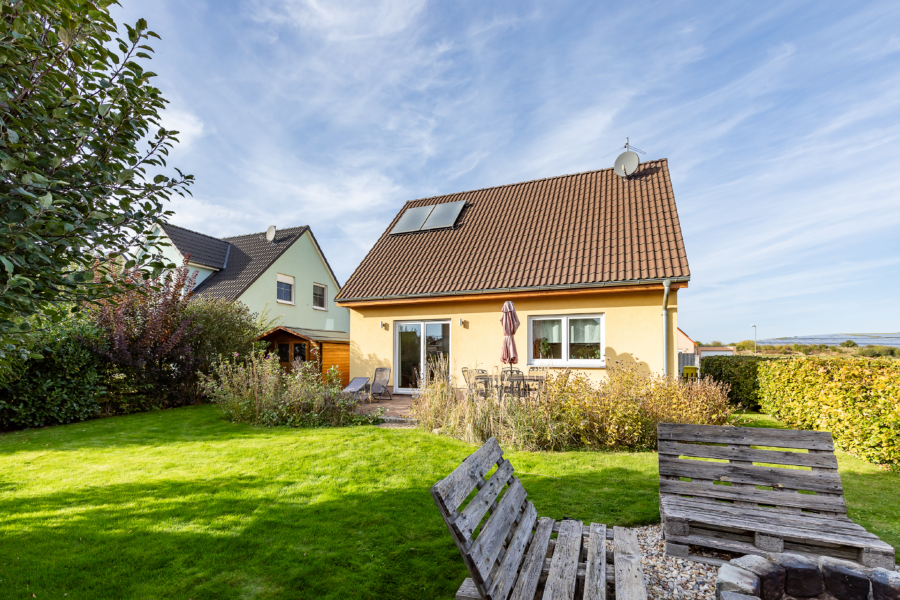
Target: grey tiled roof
point(203, 249)
point(249, 257)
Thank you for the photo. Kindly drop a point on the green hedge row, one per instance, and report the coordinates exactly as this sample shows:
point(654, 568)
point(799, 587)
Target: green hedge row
point(857, 400)
point(740, 373)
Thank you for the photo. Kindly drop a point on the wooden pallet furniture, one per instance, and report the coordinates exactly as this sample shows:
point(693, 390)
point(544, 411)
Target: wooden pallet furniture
point(753, 491)
point(511, 553)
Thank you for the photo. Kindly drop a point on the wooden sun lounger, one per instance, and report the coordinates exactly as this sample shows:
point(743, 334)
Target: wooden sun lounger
point(514, 556)
point(752, 504)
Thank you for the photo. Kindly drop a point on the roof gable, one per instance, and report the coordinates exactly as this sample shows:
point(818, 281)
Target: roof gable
point(578, 230)
point(202, 249)
point(250, 256)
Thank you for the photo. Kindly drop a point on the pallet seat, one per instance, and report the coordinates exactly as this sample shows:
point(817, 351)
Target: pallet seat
point(511, 553)
point(752, 491)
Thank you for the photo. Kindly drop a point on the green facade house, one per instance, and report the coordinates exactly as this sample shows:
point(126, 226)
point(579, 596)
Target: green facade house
point(289, 275)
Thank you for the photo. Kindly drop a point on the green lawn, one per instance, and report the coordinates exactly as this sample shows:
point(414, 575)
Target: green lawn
point(182, 504)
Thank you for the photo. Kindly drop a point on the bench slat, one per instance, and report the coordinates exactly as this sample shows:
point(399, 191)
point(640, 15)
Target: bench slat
point(512, 560)
point(629, 573)
point(815, 481)
point(493, 535)
point(471, 516)
point(560, 583)
point(834, 504)
point(778, 457)
point(769, 515)
point(747, 436)
point(530, 574)
point(773, 526)
point(595, 566)
point(456, 486)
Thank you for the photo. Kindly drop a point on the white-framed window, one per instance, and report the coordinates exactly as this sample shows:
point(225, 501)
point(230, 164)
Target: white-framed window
point(285, 289)
point(320, 294)
point(567, 341)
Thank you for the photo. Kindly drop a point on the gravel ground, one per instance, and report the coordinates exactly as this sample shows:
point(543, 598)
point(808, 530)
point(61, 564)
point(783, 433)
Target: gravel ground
point(668, 577)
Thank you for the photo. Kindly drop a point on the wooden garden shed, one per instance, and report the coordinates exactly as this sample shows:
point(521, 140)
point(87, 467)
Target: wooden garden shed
point(291, 343)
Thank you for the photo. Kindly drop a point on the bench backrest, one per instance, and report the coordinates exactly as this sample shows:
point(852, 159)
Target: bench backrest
point(493, 551)
point(751, 476)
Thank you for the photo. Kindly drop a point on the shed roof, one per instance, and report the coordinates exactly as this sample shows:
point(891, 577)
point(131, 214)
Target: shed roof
point(582, 230)
point(317, 335)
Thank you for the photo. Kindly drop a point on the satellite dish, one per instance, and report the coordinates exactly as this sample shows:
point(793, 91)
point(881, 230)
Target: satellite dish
point(270, 233)
point(627, 163)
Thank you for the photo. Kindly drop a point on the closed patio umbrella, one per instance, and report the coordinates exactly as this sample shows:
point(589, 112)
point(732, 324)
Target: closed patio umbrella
point(510, 321)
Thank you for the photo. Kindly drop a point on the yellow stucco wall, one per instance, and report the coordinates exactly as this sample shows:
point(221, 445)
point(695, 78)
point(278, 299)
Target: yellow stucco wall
point(633, 323)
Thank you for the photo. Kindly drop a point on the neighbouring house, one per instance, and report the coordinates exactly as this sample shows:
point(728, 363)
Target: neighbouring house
point(585, 258)
point(685, 343)
point(288, 276)
point(716, 351)
point(293, 343)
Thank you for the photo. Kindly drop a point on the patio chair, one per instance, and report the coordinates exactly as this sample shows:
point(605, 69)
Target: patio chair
point(469, 375)
point(380, 382)
point(513, 557)
point(358, 387)
point(482, 383)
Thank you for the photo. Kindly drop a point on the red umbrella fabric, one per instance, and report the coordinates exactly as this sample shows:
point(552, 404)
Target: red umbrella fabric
point(510, 321)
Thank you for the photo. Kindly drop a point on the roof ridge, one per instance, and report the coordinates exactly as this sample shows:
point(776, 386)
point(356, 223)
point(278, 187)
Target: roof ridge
point(505, 185)
point(206, 235)
point(263, 232)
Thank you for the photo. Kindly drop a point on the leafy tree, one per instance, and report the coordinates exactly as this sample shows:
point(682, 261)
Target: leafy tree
point(75, 106)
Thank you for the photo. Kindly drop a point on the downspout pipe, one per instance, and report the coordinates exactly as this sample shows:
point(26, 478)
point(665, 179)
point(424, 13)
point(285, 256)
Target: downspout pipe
point(667, 284)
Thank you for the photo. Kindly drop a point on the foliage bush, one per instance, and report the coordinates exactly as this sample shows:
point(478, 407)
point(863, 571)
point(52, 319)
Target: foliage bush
point(222, 328)
point(64, 386)
point(145, 342)
point(855, 399)
point(570, 411)
point(739, 373)
point(745, 345)
point(873, 351)
point(849, 344)
point(257, 390)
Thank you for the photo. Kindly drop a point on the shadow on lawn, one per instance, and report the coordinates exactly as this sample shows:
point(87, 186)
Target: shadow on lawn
point(250, 536)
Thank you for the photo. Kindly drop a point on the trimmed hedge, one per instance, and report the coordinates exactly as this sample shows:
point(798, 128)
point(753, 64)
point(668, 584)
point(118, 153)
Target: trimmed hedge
point(857, 400)
point(740, 373)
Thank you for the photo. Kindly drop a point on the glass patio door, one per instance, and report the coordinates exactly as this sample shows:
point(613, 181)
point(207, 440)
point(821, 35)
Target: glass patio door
point(417, 343)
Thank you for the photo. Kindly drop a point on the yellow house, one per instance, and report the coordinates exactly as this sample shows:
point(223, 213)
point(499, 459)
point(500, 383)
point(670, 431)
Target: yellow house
point(593, 263)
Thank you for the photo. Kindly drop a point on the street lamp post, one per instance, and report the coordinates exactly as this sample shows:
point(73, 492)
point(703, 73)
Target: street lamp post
point(754, 339)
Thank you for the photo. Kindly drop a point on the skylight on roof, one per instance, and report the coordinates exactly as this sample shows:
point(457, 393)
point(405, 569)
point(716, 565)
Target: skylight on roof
point(423, 218)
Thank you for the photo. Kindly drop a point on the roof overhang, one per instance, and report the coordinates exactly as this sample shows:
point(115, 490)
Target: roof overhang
point(639, 285)
point(311, 337)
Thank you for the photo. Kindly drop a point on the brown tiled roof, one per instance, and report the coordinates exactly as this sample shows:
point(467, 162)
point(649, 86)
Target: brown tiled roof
point(249, 257)
point(203, 249)
point(583, 230)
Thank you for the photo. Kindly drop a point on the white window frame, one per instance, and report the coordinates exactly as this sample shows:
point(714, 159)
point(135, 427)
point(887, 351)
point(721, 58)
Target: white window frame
point(289, 280)
point(422, 350)
point(324, 296)
point(565, 361)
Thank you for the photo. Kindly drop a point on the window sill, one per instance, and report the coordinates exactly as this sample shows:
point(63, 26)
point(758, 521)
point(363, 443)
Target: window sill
point(285, 302)
point(320, 308)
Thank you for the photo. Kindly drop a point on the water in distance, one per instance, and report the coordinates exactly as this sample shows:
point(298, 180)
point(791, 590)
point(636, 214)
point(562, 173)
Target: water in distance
point(835, 339)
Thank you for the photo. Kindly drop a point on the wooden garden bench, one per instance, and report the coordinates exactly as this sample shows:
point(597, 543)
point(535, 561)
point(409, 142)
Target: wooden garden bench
point(754, 501)
point(514, 555)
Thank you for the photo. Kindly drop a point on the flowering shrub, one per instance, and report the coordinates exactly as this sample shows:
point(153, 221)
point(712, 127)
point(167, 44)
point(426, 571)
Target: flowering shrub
point(260, 392)
point(570, 411)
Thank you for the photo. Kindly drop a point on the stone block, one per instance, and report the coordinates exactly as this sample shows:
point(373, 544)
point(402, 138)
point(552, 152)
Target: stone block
point(769, 543)
point(869, 557)
point(844, 580)
point(771, 575)
point(736, 596)
point(736, 579)
point(677, 549)
point(885, 584)
point(677, 528)
point(802, 576)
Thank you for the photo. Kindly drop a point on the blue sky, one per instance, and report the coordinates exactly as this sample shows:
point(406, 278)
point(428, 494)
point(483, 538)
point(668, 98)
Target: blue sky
point(781, 124)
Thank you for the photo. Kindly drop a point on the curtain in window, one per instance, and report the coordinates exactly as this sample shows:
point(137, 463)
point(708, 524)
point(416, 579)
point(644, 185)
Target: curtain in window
point(551, 329)
point(584, 331)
